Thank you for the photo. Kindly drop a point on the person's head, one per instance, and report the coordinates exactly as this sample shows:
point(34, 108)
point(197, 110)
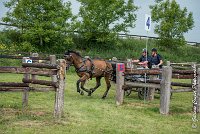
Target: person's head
point(153, 51)
point(144, 51)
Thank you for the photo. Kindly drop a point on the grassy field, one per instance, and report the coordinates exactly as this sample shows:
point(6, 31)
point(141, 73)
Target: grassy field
point(90, 115)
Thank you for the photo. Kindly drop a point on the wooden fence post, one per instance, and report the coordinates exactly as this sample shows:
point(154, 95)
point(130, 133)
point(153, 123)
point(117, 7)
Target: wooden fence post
point(53, 61)
point(26, 92)
point(165, 89)
point(120, 68)
point(33, 76)
point(198, 90)
point(151, 91)
point(59, 96)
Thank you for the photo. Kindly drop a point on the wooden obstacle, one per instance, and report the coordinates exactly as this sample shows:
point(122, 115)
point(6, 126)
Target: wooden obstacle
point(164, 84)
point(56, 71)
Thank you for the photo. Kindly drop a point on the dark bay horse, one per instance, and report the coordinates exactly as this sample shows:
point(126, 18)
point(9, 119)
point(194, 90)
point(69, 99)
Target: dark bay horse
point(87, 68)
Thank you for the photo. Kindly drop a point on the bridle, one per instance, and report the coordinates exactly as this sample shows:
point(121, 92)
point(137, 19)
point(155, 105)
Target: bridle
point(67, 61)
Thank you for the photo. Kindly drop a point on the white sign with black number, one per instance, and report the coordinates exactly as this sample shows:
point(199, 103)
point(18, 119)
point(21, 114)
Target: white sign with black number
point(147, 22)
point(29, 61)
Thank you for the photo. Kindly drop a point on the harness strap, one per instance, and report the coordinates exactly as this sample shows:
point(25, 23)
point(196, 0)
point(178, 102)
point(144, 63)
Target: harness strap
point(84, 67)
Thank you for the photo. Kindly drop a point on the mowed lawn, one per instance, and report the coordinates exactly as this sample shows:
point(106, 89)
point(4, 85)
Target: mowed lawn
point(90, 114)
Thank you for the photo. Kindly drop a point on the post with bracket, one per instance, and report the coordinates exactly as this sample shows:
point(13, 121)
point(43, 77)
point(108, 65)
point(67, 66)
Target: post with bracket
point(165, 90)
point(26, 90)
point(120, 68)
point(59, 96)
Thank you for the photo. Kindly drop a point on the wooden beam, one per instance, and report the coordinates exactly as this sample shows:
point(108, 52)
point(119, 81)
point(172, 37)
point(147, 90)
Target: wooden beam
point(59, 96)
point(172, 83)
point(139, 84)
point(165, 90)
point(178, 76)
point(21, 70)
point(183, 71)
point(41, 65)
point(40, 82)
point(181, 90)
point(13, 84)
point(13, 89)
point(183, 64)
point(119, 83)
point(151, 91)
point(21, 89)
point(142, 71)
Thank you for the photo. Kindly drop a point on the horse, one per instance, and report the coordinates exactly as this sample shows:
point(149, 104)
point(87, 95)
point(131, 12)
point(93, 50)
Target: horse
point(86, 69)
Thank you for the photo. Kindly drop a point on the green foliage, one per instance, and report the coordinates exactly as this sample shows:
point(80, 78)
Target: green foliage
point(102, 19)
point(172, 23)
point(42, 23)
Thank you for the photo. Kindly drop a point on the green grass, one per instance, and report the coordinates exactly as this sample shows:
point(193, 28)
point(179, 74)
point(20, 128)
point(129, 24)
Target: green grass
point(89, 115)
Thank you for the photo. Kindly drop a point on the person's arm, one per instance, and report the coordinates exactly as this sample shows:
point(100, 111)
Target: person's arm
point(160, 59)
point(135, 60)
point(161, 62)
point(138, 60)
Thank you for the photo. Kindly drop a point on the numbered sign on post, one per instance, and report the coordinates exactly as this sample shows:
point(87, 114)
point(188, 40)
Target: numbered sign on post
point(147, 22)
point(121, 67)
point(27, 60)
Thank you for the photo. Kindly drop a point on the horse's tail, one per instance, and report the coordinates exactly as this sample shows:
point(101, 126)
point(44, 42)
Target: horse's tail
point(112, 67)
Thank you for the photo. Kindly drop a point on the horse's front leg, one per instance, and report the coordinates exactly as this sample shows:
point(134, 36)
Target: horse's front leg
point(77, 85)
point(98, 83)
point(82, 87)
point(82, 80)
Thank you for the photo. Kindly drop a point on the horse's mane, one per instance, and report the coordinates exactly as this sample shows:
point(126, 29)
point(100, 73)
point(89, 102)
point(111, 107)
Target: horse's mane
point(70, 51)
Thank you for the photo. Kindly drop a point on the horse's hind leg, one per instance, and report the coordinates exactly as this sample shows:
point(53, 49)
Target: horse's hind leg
point(108, 85)
point(98, 83)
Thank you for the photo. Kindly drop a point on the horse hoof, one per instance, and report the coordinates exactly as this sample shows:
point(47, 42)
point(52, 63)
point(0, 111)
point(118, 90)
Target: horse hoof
point(103, 97)
point(81, 93)
point(89, 93)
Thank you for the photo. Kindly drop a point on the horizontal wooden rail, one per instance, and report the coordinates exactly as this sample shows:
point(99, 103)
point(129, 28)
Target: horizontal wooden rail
point(181, 90)
point(181, 67)
point(177, 76)
point(183, 71)
point(172, 83)
point(21, 89)
point(138, 84)
point(155, 71)
point(21, 70)
point(142, 71)
point(41, 65)
point(41, 82)
point(13, 84)
point(183, 64)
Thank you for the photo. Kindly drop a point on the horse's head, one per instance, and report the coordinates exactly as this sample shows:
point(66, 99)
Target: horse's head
point(69, 59)
point(72, 57)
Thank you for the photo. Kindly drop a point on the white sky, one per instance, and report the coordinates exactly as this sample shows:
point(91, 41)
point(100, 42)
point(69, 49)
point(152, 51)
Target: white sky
point(191, 5)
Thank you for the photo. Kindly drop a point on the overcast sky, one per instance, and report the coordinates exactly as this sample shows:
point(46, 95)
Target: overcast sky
point(191, 5)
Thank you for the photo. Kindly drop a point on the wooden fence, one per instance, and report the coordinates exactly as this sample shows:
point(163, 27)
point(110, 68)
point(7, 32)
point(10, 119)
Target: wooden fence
point(51, 69)
point(164, 84)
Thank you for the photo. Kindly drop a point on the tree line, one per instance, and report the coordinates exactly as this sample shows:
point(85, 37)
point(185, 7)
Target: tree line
point(49, 25)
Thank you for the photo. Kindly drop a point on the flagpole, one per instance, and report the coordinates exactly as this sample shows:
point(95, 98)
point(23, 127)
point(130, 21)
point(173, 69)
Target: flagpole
point(147, 28)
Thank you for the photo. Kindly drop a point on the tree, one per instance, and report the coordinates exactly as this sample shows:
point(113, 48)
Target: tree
point(172, 23)
point(102, 19)
point(43, 23)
